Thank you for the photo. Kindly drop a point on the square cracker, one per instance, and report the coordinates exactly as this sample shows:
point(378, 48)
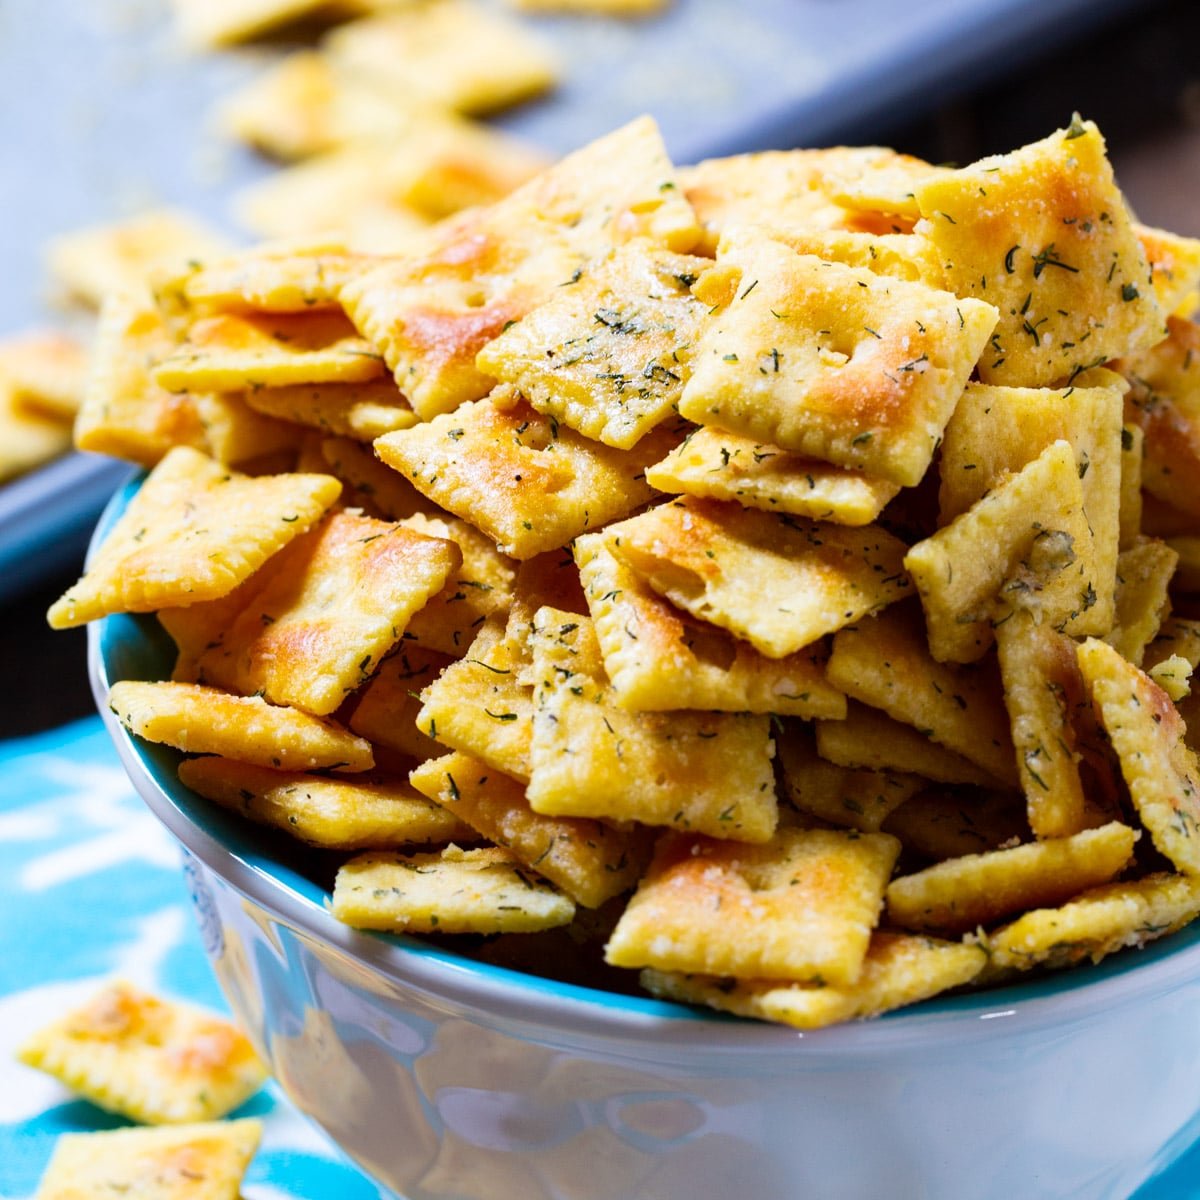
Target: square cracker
point(833, 362)
point(233, 352)
point(362, 411)
point(529, 483)
point(1026, 544)
point(944, 823)
point(717, 465)
point(800, 907)
point(610, 353)
point(778, 582)
point(203, 1161)
point(589, 861)
point(962, 894)
point(709, 772)
point(660, 658)
point(203, 720)
point(884, 662)
point(1174, 266)
point(1044, 235)
point(326, 612)
point(386, 491)
point(902, 255)
point(899, 969)
point(454, 891)
point(1147, 734)
point(151, 1060)
point(1144, 573)
point(551, 579)
point(194, 531)
point(44, 371)
point(431, 311)
point(335, 814)
point(27, 439)
point(386, 713)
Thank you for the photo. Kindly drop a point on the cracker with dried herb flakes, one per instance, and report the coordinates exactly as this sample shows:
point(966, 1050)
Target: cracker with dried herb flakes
point(799, 907)
point(44, 371)
point(387, 491)
point(454, 891)
point(430, 312)
point(194, 531)
point(778, 582)
point(1026, 544)
point(704, 771)
point(1131, 502)
point(327, 610)
point(528, 482)
point(1043, 234)
point(590, 861)
point(362, 411)
point(204, 720)
point(1097, 923)
point(610, 353)
point(1144, 573)
point(898, 254)
point(1147, 734)
point(550, 579)
point(718, 465)
point(884, 661)
point(659, 658)
point(1174, 263)
point(868, 739)
point(885, 183)
point(830, 361)
point(961, 894)
point(386, 712)
point(151, 1060)
point(950, 823)
point(899, 969)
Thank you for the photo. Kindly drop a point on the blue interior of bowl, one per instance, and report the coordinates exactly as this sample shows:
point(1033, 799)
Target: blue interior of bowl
point(136, 647)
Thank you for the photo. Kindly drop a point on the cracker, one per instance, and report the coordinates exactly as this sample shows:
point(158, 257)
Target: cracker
point(834, 362)
point(961, 894)
point(1144, 572)
point(709, 772)
point(547, 579)
point(868, 738)
point(362, 411)
point(386, 713)
point(800, 907)
point(327, 610)
point(215, 23)
point(192, 1162)
point(529, 483)
point(1044, 235)
point(943, 824)
point(610, 354)
point(884, 662)
point(659, 658)
point(1176, 637)
point(1187, 569)
point(387, 491)
point(884, 183)
point(589, 861)
point(719, 465)
point(27, 439)
point(454, 891)
point(203, 720)
point(335, 814)
point(1031, 523)
point(477, 706)
point(154, 1061)
point(432, 311)
point(45, 370)
point(233, 353)
point(778, 582)
point(898, 254)
point(1131, 503)
point(1174, 265)
point(899, 969)
point(192, 533)
point(859, 799)
point(1098, 923)
point(1147, 734)
point(1173, 675)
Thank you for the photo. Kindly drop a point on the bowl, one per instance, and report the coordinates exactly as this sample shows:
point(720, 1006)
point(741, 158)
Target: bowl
point(449, 1079)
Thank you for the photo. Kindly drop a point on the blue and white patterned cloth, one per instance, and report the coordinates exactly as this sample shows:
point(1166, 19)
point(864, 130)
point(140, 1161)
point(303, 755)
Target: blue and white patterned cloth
point(90, 888)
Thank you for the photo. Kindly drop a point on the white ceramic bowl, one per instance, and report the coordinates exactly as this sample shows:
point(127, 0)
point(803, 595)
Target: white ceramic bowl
point(450, 1079)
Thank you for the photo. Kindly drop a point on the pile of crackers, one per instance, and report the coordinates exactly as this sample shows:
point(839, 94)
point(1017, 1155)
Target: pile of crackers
point(778, 573)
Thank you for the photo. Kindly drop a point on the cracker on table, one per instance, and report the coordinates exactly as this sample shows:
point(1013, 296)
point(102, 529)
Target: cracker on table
point(155, 1061)
point(362, 411)
point(659, 658)
point(528, 482)
point(1043, 234)
point(884, 661)
point(193, 532)
point(589, 861)
point(44, 371)
point(386, 713)
point(778, 582)
point(336, 814)
point(201, 1161)
point(610, 353)
point(831, 361)
point(454, 891)
point(704, 771)
point(1144, 573)
point(899, 969)
point(327, 610)
point(801, 906)
point(1147, 734)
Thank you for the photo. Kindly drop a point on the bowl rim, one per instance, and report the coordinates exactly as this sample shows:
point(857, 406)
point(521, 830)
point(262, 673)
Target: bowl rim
point(507, 995)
